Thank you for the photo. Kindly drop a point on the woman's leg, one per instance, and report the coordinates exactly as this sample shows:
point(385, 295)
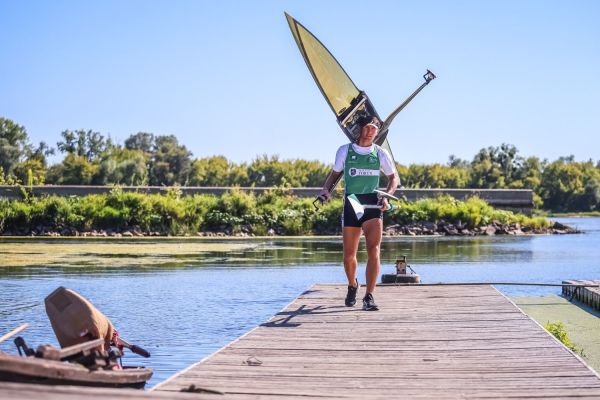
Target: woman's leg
point(373, 229)
point(351, 238)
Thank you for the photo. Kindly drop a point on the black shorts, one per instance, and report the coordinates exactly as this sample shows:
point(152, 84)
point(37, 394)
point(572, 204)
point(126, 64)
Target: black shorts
point(349, 216)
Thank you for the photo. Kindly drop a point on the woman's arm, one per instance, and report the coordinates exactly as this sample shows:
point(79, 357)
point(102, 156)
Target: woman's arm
point(329, 185)
point(390, 189)
point(334, 175)
point(392, 183)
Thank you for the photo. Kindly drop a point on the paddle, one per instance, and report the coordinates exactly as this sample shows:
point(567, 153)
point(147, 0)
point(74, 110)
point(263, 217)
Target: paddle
point(136, 349)
point(13, 332)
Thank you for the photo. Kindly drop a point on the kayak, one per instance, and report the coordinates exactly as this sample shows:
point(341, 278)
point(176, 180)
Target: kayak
point(347, 102)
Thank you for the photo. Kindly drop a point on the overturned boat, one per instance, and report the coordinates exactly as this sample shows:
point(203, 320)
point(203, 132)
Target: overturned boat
point(90, 353)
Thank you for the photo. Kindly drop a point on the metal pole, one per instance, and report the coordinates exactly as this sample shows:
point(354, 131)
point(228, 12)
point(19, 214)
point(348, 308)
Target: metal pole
point(493, 283)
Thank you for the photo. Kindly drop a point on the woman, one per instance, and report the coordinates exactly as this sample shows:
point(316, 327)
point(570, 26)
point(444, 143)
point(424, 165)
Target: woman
point(361, 163)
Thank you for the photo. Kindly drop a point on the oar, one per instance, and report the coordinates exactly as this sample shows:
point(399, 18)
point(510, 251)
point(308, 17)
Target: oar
point(13, 332)
point(136, 349)
point(429, 76)
point(381, 193)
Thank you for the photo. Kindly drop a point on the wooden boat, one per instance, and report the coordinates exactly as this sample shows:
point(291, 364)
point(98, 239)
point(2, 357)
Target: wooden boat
point(39, 370)
point(90, 354)
point(82, 364)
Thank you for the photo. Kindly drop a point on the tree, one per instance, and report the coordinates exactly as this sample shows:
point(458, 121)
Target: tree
point(14, 145)
point(435, 176)
point(87, 144)
point(74, 170)
point(591, 194)
point(496, 167)
point(170, 163)
point(41, 152)
point(30, 172)
point(568, 185)
point(529, 175)
point(140, 141)
point(122, 166)
point(456, 162)
point(306, 173)
point(266, 171)
point(210, 171)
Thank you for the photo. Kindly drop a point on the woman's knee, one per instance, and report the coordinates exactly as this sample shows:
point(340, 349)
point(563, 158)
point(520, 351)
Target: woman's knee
point(350, 259)
point(373, 249)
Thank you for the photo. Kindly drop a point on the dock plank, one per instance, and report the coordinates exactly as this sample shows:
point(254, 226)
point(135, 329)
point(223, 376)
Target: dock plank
point(425, 342)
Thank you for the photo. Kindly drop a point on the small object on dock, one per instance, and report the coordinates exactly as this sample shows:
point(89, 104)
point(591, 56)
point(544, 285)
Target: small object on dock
point(590, 296)
point(252, 361)
point(194, 389)
point(402, 275)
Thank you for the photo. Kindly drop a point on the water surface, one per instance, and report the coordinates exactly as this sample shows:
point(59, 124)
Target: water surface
point(183, 299)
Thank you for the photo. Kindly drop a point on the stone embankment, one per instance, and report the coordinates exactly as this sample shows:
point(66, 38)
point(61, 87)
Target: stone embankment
point(442, 228)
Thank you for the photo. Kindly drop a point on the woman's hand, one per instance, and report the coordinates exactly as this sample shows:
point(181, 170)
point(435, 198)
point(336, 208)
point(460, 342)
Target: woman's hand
point(384, 204)
point(324, 195)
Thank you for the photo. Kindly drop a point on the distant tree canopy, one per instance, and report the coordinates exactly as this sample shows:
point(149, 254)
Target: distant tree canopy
point(149, 159)
point(170, 162)
point(20, 161)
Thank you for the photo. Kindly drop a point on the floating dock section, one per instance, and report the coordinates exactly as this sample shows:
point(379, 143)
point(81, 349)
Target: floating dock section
point(425, 342)
point(590, 296)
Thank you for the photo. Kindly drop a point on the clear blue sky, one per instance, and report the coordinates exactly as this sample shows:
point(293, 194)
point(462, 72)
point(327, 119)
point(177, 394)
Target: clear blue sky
point(227, 79)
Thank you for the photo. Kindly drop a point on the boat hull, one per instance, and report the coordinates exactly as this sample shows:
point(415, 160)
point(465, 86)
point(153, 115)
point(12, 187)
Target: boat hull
point(41, 371)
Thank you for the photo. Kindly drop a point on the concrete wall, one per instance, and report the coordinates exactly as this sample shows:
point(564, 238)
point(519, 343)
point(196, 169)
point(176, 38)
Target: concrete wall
point(509, 199)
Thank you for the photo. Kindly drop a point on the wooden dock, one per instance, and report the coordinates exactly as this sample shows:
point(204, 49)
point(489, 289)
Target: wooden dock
point(426, 342)
point(590, 296)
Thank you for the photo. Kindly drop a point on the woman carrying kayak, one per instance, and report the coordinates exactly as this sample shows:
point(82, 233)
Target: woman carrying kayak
point(361, 163)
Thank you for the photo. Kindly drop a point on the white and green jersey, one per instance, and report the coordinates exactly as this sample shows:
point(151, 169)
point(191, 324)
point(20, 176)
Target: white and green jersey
point(362, 166)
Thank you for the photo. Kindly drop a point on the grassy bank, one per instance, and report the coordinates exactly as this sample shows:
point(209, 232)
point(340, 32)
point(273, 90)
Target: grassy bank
point(576, 214)
point(235, 212)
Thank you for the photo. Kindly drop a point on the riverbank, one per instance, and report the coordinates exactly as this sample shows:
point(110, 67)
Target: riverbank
point(575, 214)
point(415, 229)
point(444, 228)
point(243, 214)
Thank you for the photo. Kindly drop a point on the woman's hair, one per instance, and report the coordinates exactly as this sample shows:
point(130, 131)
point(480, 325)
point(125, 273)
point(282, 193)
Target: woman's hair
point(368, 119)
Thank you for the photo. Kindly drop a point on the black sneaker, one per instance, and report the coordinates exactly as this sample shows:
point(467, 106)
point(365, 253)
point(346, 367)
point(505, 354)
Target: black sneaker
point(369, 303)
point(351, 296)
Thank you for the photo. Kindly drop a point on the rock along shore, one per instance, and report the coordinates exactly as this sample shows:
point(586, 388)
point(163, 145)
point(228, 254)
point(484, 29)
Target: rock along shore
point(441, 228)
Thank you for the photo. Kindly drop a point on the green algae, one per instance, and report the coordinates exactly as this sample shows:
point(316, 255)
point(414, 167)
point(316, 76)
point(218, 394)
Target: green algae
point(581, 322)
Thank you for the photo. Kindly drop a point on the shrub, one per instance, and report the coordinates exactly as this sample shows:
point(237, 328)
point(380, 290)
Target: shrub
point(558, 330)
point(234, 211)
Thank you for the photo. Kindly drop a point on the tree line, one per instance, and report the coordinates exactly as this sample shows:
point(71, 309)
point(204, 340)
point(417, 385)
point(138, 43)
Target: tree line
point(91, 158)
